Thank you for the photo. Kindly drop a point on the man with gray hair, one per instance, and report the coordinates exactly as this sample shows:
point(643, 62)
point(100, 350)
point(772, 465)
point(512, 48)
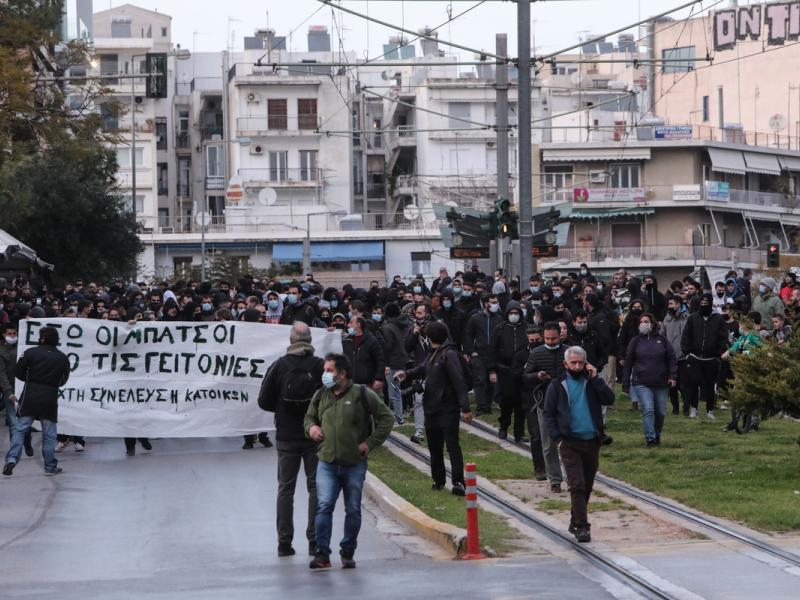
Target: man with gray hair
point(287, 390)
point(574, 418)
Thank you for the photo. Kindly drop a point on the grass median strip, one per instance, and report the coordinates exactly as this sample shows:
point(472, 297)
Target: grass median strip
point(415, 486)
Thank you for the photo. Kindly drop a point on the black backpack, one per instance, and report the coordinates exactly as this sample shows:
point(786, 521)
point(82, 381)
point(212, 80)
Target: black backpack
point(298, 386)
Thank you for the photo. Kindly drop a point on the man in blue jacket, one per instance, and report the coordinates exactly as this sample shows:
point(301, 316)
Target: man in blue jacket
point(574, 419)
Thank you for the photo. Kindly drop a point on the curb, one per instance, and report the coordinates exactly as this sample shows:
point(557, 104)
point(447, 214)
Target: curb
point(453, 539)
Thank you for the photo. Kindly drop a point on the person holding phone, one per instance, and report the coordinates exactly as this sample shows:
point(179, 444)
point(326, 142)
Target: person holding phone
point(651, 369)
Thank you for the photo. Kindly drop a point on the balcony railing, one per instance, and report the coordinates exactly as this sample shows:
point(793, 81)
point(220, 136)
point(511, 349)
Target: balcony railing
point(208, 133)
point(207, 84)
point(376, 190)
point(184, 190)
point(215, 183)
point(278, 123)
point(281, 222)
point(182, 140)
point(684, 253)
point(278, 177)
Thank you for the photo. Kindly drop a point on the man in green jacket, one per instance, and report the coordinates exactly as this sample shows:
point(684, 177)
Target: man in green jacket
point(8, 360)
point(767, 303)
point(348, 422)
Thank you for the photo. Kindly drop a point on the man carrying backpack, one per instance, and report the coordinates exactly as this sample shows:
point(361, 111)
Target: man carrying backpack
point(287, 390)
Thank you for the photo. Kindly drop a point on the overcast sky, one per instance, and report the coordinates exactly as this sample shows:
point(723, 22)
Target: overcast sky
point(204, 24)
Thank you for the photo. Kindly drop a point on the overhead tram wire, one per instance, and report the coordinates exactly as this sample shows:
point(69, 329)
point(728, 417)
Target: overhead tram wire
point(291, 31)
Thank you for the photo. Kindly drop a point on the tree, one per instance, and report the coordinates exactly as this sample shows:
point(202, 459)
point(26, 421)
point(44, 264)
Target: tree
point(69, 210)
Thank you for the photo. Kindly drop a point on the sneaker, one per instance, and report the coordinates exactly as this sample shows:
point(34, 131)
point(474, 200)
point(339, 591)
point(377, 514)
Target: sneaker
point(676, 411)
point(8, 469)
point(729, 427)
point(437, 487)
point(606, 440)
point(459, 489)
point(399, 421)
point(416, 438)
point(28, 448)
point(131, 452)
point(555, 488)
point(321, 561)
point(248, 445)
point(80, 446)
point(285, 550)
point(56, 471)
point(582, 535)
point(502, 433)
point(634, 406)
point(61, 445)
point(686, 411)
point(540, 475)
point(572, 529)
point(693, 413)
point(263, 439)
point(347, 560)
point(521, 439)
point(651, 443)
point(710, 416)
point(146, 444)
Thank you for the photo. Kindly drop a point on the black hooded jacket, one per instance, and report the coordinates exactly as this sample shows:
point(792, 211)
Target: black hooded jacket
point(656, 300)
point(509, 347)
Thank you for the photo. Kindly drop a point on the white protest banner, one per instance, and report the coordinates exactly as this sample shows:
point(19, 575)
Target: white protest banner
point(166, 379)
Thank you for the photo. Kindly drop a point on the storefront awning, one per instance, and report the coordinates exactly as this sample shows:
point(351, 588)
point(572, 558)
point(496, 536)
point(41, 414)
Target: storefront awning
point(594, 154)
point(727, 161)
point(329, 251)
point(789, 163)
point(612, 213)
point(766, 164)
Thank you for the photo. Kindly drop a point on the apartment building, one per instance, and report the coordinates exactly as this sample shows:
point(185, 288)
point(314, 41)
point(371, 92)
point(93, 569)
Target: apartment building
point(670, 206)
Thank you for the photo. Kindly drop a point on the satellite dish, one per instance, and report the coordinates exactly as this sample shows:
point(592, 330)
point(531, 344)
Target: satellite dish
point(203, 219)
point(777, 123)
point(428, 215)
point(267, 197)
point(451, 204)
point(386, 75)
point(411, 212)
point(576, 78)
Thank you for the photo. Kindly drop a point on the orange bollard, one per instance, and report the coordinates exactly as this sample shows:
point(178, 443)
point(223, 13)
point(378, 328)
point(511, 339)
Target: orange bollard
point(473, 536)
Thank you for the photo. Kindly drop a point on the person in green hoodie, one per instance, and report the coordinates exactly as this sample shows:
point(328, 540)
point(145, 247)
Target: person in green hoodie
point(748, 339)
point(347, 421)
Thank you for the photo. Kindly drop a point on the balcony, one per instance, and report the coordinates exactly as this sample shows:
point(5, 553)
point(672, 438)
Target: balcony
point(183, 140)
point(207, 84)
point(278, 125)
point(207, 133)
point(599, 257)
point(376, 190)
point(282, 177)
point(215, 183)
point(184, 190)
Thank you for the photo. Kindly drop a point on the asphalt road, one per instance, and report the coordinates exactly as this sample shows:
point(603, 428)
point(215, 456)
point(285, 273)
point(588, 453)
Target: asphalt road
point(195, 519)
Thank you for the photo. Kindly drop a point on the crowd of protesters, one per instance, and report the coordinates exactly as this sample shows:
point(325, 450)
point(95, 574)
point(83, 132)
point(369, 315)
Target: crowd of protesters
point(421, 345)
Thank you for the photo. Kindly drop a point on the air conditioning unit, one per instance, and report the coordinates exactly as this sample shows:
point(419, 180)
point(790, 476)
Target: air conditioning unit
point(256, 149)
point(597, 176)
point(167, 230)
point(253, 98)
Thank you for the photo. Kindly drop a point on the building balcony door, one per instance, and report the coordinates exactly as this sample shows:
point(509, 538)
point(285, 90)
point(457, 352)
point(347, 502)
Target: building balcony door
point(626, 238)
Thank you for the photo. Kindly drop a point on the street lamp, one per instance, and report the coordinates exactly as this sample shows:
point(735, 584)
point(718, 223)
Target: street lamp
point(307, 241)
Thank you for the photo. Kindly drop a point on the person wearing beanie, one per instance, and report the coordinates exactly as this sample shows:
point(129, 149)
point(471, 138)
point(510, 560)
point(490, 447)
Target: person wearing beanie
point(767, 303)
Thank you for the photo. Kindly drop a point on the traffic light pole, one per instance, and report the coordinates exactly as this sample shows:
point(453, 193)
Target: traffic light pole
point(524, 138)
point(501, 122)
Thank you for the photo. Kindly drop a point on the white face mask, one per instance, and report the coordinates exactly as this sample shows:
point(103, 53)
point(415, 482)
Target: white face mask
point(494, 308)
point(11, 340)
point(513, 318)
point(645, 328)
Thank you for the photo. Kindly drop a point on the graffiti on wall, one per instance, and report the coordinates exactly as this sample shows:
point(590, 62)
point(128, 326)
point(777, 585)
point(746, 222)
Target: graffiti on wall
point(781, 20)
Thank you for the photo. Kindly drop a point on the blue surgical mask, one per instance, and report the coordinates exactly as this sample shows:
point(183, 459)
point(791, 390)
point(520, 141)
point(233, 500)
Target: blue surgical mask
point(551, 347)
point(207, 307)
point(351, 331)
point(513, 318)
point(333, 302)
point(328, 380)
point(447, 304)
point(457, 291)
point(467, 294)
point(273, 304)
point(291, 298)
point(417, 289)
point(377, 318)
point(533, 288)
point(556, 294)
point(762, 289)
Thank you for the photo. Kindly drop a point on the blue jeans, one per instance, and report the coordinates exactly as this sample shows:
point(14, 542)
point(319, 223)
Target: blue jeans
point(395, 394)
point(331, 479)
point(11, 419)
point(49, 433)
point(653, 405)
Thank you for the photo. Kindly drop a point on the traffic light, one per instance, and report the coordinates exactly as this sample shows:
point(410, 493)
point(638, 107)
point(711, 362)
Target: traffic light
point(506, 219)
point(773, 256)
point(471, 229)
point(156, 66)
point(544, 227)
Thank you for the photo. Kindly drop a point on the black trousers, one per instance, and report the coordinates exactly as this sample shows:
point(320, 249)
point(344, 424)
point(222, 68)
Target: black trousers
point(290, 456)
point(702, 379)
point(130, 443)
point(580, 458)
point(511, 391)
point(443, 431)
point(682, 389)
point(76, 439)
point(537, 455)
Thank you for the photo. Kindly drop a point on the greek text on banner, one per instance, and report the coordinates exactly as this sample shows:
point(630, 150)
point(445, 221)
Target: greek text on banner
point(166, 379)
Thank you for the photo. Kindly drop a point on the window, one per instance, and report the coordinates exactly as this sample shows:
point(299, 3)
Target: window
point(624, 175)
point(216, 206)
point(182, 266)
point(376, 139)
point(109, 118)
point(421, 263)
point(124, 157)
point(557, 182)
point(706, 109)
point(183, 121)
point(184, 174)
point(163, 217)
point(163, 179)
point(308, 165)
point(120, 27)
point(109, 65)
point(214, 158)
point(164, 32)
point(161, 133)
point(461, 110)
point(306, 113)
point(276, 114)
point(679, 59)
point(277, 165)
point(139, 203)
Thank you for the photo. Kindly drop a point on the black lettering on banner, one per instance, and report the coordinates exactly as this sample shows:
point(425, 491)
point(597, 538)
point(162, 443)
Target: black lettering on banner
point(237, 372)
point(98, 360)
point(245, 397)
point(173, 396)
point(126, 357)
point(188, 356)
point(147, 358)
point(233, 333)
point(184, 331)
point(160, 395)
point(32, 337)
point(204, 363)
point(74, 360)
point(220, 364)
point(62, 393)
point(103, 336)
point(198, 334)
point(150, 335)
point(220, 328)
point(163, 367)
point(74, 332)
point(166, 333)
point(134, 334)
point(254, 364)
point(96, 395)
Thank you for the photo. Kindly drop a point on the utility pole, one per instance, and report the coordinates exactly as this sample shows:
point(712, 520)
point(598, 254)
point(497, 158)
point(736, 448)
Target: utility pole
point(501, 122)
point(527, 265)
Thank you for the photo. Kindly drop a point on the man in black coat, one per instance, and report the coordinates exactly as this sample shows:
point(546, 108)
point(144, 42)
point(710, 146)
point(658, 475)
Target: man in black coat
point(704, 340)
point(297, 306)
point(44, 369)
point(476, 345)
point(507, 357)
point(365, 354)
point(451, 316)
point(444, 398)
point(287, 390)
point(655, 299)
point(581, 334)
